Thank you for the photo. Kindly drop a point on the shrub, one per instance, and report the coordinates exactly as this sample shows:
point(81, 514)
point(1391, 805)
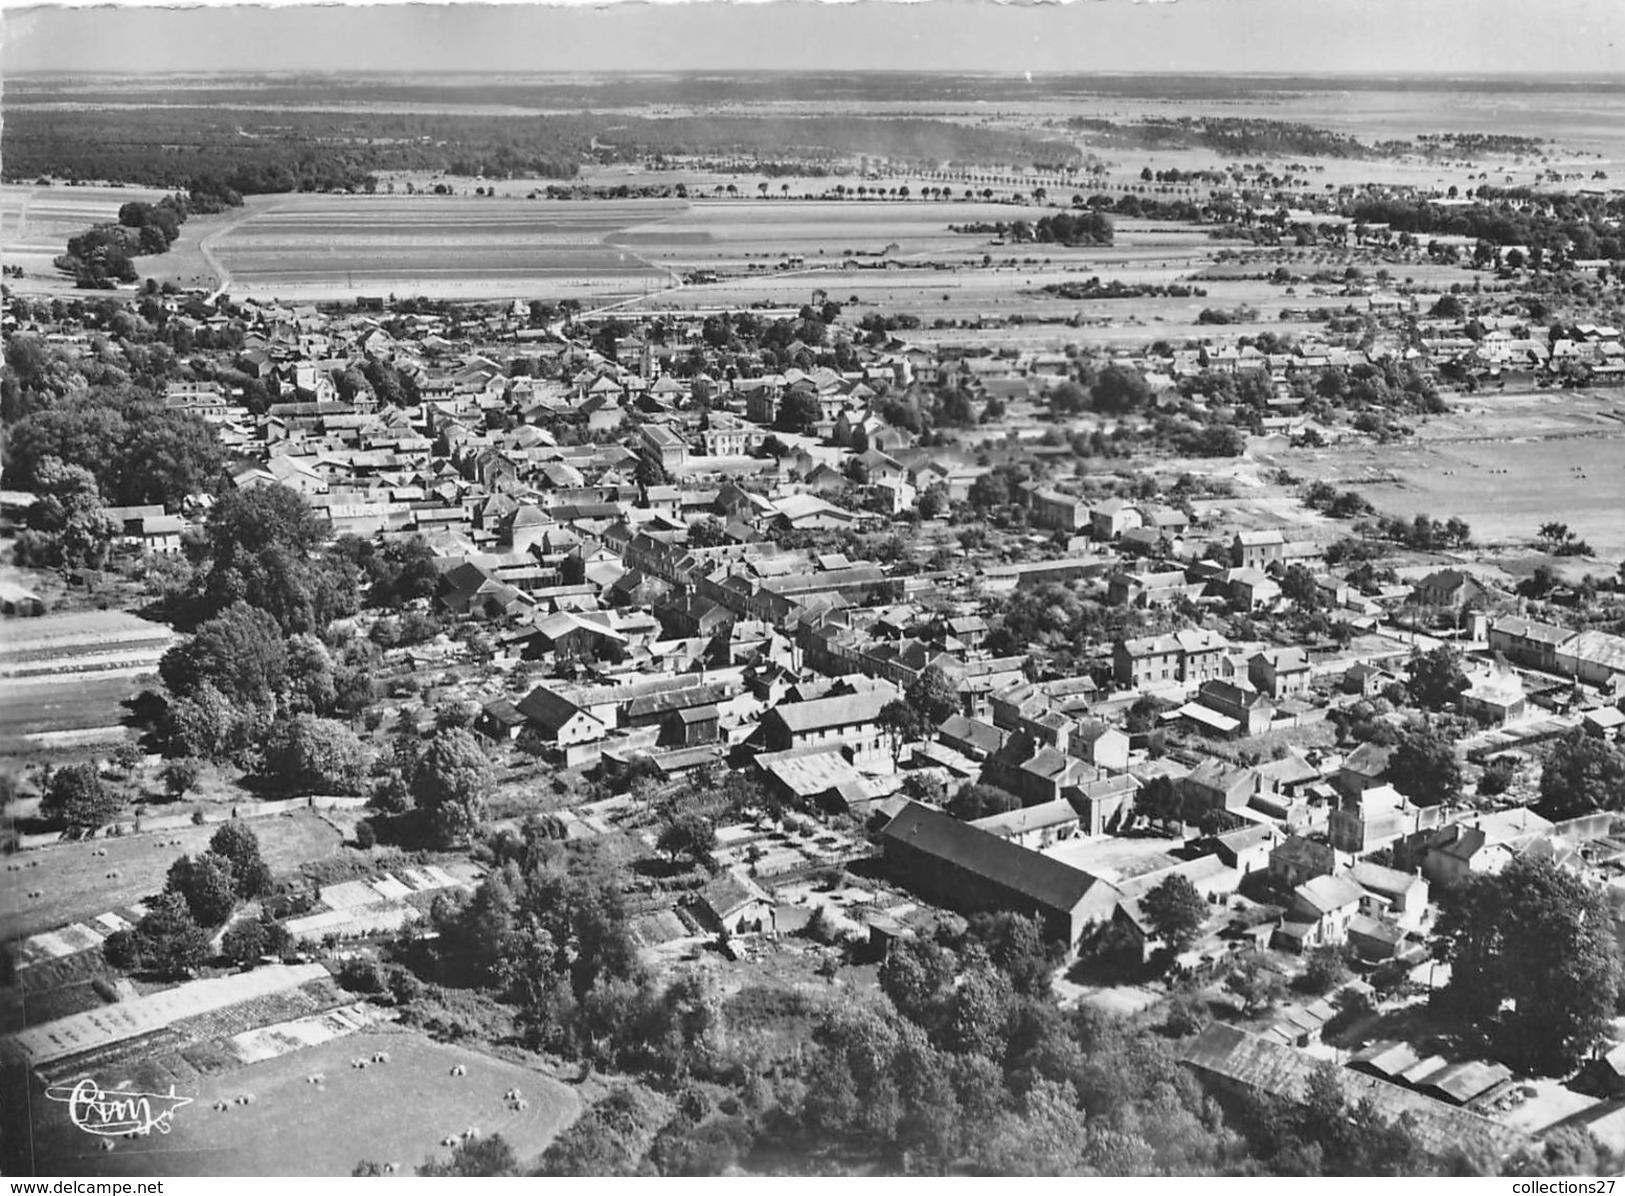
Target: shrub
point(77, 797)
point(181, 776)
point(362, 975)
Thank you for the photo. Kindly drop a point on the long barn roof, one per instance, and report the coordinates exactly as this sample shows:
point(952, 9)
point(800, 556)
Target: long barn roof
point(1048, 882)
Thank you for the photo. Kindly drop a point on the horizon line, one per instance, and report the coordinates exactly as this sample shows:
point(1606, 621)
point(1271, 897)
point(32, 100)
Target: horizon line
point(1391, 73)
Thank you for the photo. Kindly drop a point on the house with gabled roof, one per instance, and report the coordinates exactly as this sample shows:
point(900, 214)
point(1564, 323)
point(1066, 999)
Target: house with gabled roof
point(1257, 549)
point(850, 720)
point(1219, 784)
point(1330, 903)
point(557, 720)
point(735, 904)
point(1280, 672)
point(1297, 859)
point(1450, 588)
point(1528, 642)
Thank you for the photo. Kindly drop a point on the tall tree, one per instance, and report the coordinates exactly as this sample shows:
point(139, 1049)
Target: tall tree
point(207, 886)
point(934, 694)
point(1423, 765)
point(240, 652)
point(237, 843)
point(799, 411)
point(689, 833)
point(1533, 959)
point(263, 547)
point(166, 457)
point(1583, 773)
point(1176, 911)
point(83, 434)
point(316, 755)
point(450, 783)
point(1436, 677)
point(902, 722)
point(976, 800)
point(1119, 388)
point(69, 512)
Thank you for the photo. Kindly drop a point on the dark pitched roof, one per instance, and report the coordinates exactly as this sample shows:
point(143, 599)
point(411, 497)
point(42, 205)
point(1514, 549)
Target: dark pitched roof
point(1438, 1128)
point(548, 709)
point(708, 695)
point(728, 894)
point(1048, 882)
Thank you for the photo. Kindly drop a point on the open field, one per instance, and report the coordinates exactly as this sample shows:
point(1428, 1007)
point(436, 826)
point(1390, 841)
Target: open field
point(78, 884)
point(83, 641)
point(65, 676)
point(317, 246)
point(314, 247)
point(39, 713)
point(396, 1112)
point(418, 239)
point(1505, 465)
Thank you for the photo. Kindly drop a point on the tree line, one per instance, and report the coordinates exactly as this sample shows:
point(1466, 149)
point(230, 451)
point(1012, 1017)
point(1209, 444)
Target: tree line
point(281, 150)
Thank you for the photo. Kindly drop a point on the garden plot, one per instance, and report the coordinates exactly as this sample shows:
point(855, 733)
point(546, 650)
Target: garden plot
point(274, 1041)
point(97, 1028)
point(364, 907)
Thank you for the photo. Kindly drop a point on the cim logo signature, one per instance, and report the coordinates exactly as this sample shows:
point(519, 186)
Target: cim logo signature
point(120, 1112)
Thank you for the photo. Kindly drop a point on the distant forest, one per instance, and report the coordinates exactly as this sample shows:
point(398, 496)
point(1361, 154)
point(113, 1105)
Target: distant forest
point(257, 151)
point(1242, 136)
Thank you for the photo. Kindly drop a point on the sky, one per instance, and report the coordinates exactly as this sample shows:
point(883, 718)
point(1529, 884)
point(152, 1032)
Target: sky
point(1286, 36)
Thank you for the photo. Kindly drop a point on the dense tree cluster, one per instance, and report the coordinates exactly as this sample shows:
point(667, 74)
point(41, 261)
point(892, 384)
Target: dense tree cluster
point(1582, 774)
point(1088, 226)
point(1423, 764)
point(138, 454)
point(1555, 224)
point(1056, 619)
point(1534, 967)
point(203, 891)
point(264, 547)
point(167, 940)
point(1436, 677)
point(1231, 136)
point(76, 796)
point(100, 257)
point(317, 755)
